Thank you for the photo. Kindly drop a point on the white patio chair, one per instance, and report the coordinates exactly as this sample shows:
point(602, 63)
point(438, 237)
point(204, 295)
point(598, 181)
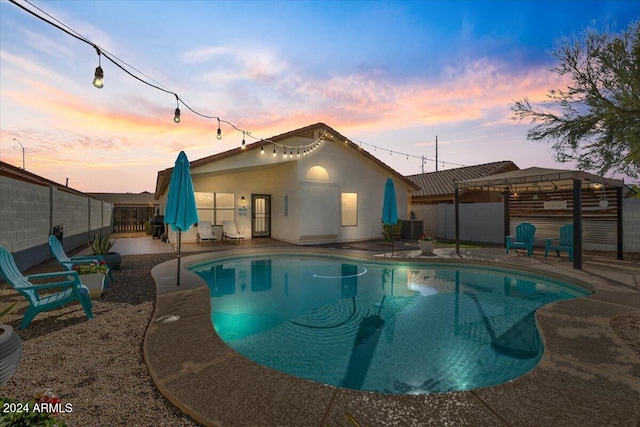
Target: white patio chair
point(205, 233)
point(229, 231)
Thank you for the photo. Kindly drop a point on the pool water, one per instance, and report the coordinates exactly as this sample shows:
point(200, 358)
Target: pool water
point(389, 328)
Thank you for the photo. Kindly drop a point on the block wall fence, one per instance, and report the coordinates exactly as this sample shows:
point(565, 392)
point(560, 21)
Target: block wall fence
point(484, 222)
point(29, 211)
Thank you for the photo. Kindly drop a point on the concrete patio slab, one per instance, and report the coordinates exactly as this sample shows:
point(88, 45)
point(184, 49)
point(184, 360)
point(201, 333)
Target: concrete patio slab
point(561, 392)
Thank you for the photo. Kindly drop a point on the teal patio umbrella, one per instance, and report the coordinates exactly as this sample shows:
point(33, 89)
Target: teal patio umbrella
point(181, 212)
point(389, 207)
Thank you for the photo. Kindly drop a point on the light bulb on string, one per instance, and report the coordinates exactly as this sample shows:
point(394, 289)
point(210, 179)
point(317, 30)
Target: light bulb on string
point(98, 77)
point(274, 151)
point(219, 136)
point(176, 116)
point(261, 150)
point(243, 141)
point(298, 155)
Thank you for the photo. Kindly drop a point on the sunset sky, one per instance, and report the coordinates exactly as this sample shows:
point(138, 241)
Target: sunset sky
point(388, 74)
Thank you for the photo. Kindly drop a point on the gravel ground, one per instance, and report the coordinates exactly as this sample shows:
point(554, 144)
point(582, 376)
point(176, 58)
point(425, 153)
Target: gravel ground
point(98, 365)
point(95, 365)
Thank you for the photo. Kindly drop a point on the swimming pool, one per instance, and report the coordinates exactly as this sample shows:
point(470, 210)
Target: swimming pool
point(385, 327)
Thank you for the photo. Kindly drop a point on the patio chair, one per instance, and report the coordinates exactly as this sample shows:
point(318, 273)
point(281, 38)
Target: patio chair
point(523, 238)
point(563, 243)
point(229, 231)
point(68, 262)
point(71, 288)
point(205, 232)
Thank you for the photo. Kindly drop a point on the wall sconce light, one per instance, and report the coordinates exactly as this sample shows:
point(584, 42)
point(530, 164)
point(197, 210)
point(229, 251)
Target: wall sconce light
point(243, 200)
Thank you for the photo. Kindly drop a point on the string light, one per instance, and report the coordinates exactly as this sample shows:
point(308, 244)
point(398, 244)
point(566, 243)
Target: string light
point(406, 155)
point(98, 79)
point(98, 82)
point(176, 116)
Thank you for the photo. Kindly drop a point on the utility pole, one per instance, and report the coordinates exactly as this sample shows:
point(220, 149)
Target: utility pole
point(436, 153)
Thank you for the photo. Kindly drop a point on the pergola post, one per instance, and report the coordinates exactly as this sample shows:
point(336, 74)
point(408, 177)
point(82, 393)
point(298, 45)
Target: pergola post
point(457, 219)
point(507, 222)
point(577, 224)
point(620, 242)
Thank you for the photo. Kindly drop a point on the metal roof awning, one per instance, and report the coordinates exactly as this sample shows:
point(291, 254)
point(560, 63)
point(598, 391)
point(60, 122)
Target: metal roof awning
point(536, 179)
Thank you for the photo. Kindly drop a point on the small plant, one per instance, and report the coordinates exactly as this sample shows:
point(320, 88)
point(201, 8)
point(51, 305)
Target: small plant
point(426, 238)
point(92, 268)
point(101, 244)
point(391, 231)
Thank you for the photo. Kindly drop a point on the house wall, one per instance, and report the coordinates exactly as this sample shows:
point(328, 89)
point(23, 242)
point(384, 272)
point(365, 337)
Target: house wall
point(244, 182)
point(348, 173)
point(313, 207)
point(29, 211)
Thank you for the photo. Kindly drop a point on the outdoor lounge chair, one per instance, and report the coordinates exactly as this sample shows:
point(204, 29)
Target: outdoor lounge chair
point(229, 231)
point(58, 252)
point(71, 288)
point(523, 238)
point(563, 243)
point(205, 232)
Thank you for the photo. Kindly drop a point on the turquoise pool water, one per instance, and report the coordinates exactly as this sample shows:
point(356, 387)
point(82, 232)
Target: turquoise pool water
point(389, 328)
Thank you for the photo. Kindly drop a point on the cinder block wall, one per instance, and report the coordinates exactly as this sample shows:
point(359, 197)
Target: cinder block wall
point(29, 211)
point(479, 222)
point(24, 214)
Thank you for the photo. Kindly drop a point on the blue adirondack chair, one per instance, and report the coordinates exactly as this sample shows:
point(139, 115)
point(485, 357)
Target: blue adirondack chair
point(68, 262)
point(563, 243)
point(523, 238)
point(71, 287)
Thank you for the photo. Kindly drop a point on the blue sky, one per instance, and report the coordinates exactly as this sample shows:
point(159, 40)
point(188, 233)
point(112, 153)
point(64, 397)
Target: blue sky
point(391, 75)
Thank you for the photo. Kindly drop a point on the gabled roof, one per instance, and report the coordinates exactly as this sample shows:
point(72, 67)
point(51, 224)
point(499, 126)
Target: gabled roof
point(164, 176)
point(442, 182)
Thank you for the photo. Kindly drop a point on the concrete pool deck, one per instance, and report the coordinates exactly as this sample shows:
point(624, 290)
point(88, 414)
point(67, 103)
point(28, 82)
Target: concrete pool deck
point(587, 376)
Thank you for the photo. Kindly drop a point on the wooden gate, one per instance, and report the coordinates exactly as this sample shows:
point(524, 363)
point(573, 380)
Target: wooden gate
point(131, 218)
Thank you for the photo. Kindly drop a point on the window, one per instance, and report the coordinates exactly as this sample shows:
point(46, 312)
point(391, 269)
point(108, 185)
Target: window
point(349, 209)
point(215, 207)
point(225, 207)
point(317, 173)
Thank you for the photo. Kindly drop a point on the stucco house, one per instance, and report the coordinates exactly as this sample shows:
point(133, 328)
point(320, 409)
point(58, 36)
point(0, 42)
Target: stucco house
point(311, 185)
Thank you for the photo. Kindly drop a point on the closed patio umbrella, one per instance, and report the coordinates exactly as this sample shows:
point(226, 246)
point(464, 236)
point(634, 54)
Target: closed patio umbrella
point(389, 207)
point(181, 211)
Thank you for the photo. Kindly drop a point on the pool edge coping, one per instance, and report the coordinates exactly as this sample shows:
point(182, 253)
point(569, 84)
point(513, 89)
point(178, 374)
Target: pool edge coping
point(191, 281)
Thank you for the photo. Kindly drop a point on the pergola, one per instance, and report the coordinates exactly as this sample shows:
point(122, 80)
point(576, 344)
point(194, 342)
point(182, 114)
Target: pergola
point(547, 192)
